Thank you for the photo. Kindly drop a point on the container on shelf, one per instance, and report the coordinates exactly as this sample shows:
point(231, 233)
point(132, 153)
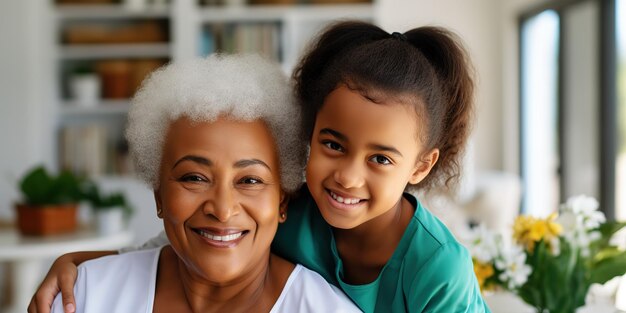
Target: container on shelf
point(112, 33)
point(116, 77)
point(85, 2)
point(46, 220)
point(85, 89)
point(141, 69)
point(135, 5)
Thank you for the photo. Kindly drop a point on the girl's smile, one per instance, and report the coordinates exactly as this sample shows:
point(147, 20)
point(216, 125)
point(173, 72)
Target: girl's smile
point(344, 202)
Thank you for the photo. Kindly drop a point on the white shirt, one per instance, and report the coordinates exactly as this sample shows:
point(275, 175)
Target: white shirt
point(127, 282)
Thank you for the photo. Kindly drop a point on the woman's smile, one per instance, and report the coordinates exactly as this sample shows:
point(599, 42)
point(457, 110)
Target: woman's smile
point(221, 238)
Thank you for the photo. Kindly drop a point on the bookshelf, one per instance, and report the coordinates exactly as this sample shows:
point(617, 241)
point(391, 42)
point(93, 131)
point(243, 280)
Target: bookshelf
point(103, 52)
point(110, 48)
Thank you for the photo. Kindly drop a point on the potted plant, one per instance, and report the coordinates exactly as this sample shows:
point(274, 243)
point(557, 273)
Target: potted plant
point(551, 262)
point(49, 203)
point(110, 210)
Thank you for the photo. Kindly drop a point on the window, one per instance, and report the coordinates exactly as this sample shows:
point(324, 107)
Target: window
point(573, 105)
point(540, 153)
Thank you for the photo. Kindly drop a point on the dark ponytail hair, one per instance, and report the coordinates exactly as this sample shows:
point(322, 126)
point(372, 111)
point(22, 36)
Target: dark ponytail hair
point(427, 64)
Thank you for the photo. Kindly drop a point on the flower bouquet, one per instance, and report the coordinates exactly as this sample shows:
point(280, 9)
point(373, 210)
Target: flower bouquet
point(550, 263)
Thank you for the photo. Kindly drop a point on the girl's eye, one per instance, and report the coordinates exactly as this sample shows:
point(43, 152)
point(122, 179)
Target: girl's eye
point(332, 145)
point(381, 159)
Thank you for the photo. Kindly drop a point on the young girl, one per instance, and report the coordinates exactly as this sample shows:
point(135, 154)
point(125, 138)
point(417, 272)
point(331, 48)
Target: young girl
point(385, 114)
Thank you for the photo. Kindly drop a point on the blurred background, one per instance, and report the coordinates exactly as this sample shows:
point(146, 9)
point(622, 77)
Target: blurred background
point(551, 93)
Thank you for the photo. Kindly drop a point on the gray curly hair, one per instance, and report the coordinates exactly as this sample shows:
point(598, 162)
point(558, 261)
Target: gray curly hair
point(241, 86)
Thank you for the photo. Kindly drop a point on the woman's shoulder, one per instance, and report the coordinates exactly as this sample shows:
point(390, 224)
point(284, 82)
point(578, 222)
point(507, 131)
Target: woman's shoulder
point(307, 291)
point(115, 283)
point(125, 260)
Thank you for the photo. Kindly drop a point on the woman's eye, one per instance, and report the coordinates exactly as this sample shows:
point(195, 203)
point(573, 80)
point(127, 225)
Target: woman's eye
point(251, 181)
point(381, 159)
point(333, 145)
point(192, 178)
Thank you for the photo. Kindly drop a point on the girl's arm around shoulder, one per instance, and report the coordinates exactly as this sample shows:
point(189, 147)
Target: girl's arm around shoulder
point(78, 297)
point(447, 283)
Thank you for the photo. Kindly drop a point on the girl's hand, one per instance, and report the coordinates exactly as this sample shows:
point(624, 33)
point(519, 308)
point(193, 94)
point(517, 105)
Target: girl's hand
point(60, 277)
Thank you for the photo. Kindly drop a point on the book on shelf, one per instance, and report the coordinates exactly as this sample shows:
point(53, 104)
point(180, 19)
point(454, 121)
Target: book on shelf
point(262, 38)
point(83, 149)
point(89, 150)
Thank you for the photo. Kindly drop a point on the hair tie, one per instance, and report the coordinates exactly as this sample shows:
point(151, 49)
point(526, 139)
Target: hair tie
point(399, 36)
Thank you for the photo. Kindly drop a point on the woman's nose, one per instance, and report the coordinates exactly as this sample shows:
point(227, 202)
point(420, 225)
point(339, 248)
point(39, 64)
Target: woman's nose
point(349, 174)
point(221, 204)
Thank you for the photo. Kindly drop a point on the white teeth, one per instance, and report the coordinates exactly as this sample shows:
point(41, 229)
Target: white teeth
point(230, 237)
point(344, 200)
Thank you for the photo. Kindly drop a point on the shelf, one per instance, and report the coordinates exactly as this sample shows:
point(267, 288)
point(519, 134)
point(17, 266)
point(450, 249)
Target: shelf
point(113, 12)
point(103, 51)
point(104, 107)
point(262, 13)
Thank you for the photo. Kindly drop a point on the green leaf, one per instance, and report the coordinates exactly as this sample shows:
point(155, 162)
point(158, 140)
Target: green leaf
point(67, 189)
point(608, 267)
point(40, 189)
point(36, 186)
point(99, 201)
point(607, 230)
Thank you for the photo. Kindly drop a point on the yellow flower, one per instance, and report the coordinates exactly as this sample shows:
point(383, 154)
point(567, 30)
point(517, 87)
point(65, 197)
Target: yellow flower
point(483, 272)
point(528, 230)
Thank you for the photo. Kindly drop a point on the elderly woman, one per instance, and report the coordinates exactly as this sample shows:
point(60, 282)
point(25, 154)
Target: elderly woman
point(216, 139)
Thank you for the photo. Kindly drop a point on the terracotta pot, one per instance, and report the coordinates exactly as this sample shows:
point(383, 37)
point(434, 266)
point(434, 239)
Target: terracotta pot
point(46, 220)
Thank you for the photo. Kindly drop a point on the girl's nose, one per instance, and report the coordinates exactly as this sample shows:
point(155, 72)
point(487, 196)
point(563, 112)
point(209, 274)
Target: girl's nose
point(221, 204)
point(349, 174)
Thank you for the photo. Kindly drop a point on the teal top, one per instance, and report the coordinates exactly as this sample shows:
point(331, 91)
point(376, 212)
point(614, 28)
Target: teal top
point(428, 272)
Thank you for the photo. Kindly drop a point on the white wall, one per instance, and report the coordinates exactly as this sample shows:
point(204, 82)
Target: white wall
point(581, 100)
point(23, 118)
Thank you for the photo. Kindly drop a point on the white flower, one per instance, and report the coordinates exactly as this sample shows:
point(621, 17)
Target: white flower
point(512, 263)
point(568, 220)
point(581, 203)
point(585, 212)
point(580, 218)
point(482, 244)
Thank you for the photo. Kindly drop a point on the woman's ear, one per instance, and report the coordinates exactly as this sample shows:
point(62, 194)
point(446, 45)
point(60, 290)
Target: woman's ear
point(282, 210)
point(423, 166)
point(157, 200)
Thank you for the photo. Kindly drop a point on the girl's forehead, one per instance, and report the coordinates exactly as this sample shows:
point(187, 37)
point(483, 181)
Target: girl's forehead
point(382, 94)
point(358, 118)
point(345, 102)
